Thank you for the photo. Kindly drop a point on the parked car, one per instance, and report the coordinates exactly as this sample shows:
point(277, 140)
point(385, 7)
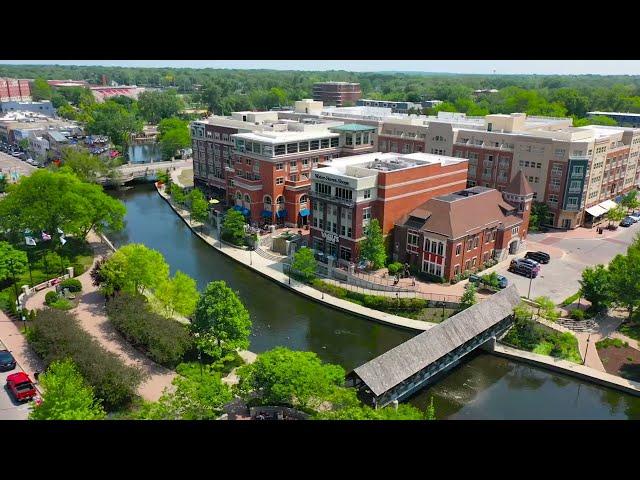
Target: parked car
point(7, 362)
point(525, 266)
point(635, 216)
point(540, 257)
point(626, 222)
point(21, 386)
point(502, 281)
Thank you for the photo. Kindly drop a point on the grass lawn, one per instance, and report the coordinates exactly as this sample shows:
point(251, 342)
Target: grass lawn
point(434, 314)
point(630, 329)
point(186, 177)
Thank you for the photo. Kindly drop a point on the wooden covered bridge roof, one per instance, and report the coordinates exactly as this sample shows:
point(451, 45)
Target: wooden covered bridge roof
point(400, 363)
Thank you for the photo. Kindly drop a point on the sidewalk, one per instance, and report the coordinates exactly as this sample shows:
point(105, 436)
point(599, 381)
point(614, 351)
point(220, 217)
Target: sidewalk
point(92, 317)
point(17, 344)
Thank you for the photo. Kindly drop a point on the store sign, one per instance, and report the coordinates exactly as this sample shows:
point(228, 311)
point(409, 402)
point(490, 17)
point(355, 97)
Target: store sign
point(330, 237)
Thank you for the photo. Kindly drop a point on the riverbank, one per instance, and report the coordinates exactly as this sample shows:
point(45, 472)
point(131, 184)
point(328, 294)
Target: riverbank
point(273, 271)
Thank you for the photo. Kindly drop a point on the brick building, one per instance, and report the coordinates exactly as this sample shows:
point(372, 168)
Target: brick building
point(348, 192)
point(459, 232)
point(13, 89)
point(337, 93)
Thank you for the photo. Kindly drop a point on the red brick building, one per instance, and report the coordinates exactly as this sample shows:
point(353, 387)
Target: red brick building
point(337, 93)
point(460, 232)
point(350, 191)
point(12, 89)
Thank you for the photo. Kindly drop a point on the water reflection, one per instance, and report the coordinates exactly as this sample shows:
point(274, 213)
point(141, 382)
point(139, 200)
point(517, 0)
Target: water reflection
point(146, 153)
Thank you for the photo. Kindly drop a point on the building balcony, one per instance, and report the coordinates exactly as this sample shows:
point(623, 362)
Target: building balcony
point(252, 185)
point(575, 190)
point(331, 198)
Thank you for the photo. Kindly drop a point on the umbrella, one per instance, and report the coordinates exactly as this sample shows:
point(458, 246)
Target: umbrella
point(213, 201)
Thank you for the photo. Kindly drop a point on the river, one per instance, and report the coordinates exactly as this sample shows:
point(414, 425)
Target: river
point(483, 387)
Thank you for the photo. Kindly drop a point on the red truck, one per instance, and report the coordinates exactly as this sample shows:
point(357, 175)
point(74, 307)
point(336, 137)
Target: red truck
point(21, 386)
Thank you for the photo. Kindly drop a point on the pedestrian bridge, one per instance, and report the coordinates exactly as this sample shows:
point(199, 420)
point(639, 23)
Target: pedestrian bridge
point(132, 171)
point(405, 369)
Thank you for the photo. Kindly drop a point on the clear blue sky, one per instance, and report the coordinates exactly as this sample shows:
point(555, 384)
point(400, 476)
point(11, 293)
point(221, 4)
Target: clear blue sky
point(602, 67)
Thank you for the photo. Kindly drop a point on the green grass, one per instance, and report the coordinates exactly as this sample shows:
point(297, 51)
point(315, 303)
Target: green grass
point(631, 330)
point(611, 342)
point(570, 300)
point(528, 336)
point(543, 348)
point(62, 304)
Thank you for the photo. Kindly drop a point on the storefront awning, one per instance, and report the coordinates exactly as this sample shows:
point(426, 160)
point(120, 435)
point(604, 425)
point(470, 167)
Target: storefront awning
point(596, 211)
point(304, 212)
point(281, 213)
point(245, 211)
point(607, 205)
point(238, 208)
point(267, 213)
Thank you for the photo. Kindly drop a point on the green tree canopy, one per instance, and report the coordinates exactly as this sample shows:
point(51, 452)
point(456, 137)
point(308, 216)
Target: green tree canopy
point(13, 262)
point(221, 320)
point(85, 166)
point(540, 215)
point(178, 294)
point(134, 268)
point(233, 227)
point(285, 377)
point(112, 119)
point(41, 90)
point(199, 206)
point(155, 106)
point(66, 395)
point(468, 297)
point(304, 263)
point(630, 200)
point(372, 247)
point(616, 214)
point(547, 308)
point(595, 287)
point(624, 278)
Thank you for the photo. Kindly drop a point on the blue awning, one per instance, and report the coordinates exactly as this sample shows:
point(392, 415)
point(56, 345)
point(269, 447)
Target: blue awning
point(304, 212)
point(267, 214)
point(245, 211)
point(238, 208)
point(281, 213)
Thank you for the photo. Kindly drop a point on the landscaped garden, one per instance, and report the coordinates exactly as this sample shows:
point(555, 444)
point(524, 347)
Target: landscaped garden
point(618, 358)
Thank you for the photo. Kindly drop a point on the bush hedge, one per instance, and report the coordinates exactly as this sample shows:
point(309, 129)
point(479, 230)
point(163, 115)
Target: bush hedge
point(164, 340)
point(577, 314)
point(394, 268)
point(50, 297)
point(56, 335)
point(72, 284)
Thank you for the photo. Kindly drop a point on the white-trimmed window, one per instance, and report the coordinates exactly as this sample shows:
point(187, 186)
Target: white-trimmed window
point(279, 180)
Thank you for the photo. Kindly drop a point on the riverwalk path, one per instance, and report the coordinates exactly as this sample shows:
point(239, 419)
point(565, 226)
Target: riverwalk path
point(91, 313)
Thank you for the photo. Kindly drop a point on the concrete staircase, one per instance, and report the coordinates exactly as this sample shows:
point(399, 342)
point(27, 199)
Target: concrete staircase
point(586, 326)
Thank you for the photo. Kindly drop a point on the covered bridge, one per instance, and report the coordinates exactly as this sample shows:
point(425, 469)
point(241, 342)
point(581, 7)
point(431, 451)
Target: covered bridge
point(403, 370)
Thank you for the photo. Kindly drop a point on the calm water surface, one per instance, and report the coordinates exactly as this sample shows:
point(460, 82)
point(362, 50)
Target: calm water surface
point(484, 387)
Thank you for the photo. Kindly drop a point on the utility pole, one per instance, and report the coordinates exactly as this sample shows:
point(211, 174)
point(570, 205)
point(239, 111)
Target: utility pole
point(530, 282)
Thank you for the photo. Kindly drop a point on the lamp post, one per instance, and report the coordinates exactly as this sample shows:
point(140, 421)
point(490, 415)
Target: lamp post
point(530, 282)
point(586, 350)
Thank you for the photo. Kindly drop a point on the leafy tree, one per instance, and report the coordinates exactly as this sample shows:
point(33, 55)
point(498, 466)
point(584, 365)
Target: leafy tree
point(85, 166)
point(598, 120)
point(547, 308)
point(66, 396)
point(24, 143)
point(624, 278)
point(178, 195)
point(233, 227)
point(41, 90)
point(540, 215)
point(198, 398)
point(221, 320)
point(304, 263)
point(630, 200)
point(112, 119)
point(468, 297)
point(199, 206)
point(372, 247)
point(616, 214)
point(178, 294)
point(13, 262)
point(174, 139)
point(134, 268)
point(491, 280)
point(595, 287)
point(285, 377)
point(155, 106)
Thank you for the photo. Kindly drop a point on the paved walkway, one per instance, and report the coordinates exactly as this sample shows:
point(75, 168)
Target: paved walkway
point(274, 270)
point(92, 316)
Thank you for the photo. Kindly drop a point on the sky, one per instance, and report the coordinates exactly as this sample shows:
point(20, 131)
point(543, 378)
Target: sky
point(541, 67)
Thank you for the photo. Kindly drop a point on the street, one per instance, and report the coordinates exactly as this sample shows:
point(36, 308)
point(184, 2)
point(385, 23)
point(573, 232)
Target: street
point(10, 165)
point(9, 408)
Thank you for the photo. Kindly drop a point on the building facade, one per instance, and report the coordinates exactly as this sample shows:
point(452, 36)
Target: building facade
point(397, 107)
point(348, 192)
point(457, 233)
point(14, 90)
point(337, 93)
point(44, 107)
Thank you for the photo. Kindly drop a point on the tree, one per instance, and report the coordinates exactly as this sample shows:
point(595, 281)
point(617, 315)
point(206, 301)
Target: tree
point(3, 184)
point(178, 195)
point(630, 200)
point(200, 398)
point(174, 135)
point(112, 119)
point(304, 263)
point(24, 143)
point(233, 227)
point(616, 214)
point(372, 247)
point(66, 395)
point(13, 262)
point(85, 166)
point(547, 308)
point(41, 90)
point(199, 206)
point(540, 215)
point(491, 280)
point(624, 278)
point(178, 294)
point(595, 287)
point(155, 106)
point(468, 297)
point(134, 268)
point(292, 378)
point(221, 320)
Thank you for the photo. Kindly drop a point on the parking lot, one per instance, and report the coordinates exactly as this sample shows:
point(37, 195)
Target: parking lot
point(10, 165)
point(9, 408)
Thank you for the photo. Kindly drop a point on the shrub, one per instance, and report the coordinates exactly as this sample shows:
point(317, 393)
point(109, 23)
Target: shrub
point(164, 340)
point(577, 314)
point(52, 263)
point(62, 304)
point(50, 297)
point(394, 268)
point(430, 277)
point(56, 335)
point(570, 300)
point(72, 284)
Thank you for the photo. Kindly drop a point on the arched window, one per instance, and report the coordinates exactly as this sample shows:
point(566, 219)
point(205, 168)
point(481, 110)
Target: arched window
point(304, 199)
point(280, 202)
point(247, 198)
point(239, 195)
point(267, 200)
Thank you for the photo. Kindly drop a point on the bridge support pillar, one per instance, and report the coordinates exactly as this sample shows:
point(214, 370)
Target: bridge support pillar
point(489, 345)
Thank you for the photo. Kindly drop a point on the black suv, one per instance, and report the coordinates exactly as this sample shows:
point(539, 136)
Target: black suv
point(7, 362)
point(539, 257)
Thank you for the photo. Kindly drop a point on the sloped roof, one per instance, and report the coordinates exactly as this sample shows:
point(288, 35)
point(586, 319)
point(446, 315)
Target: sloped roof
point(455, 215)
point(398, 364)
point(519, 185)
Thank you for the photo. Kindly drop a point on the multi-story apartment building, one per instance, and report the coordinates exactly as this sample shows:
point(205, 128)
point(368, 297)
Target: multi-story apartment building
point(336, 93)
point(461, 232)
point(396, 107)
point(348, 192)
point(624, 119)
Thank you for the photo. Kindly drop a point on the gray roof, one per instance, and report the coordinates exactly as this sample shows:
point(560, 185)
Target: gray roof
point(398, 364)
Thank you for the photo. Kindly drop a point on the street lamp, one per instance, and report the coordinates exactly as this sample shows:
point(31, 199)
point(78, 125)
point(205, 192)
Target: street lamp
point(530, 282)
point(586, 350)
